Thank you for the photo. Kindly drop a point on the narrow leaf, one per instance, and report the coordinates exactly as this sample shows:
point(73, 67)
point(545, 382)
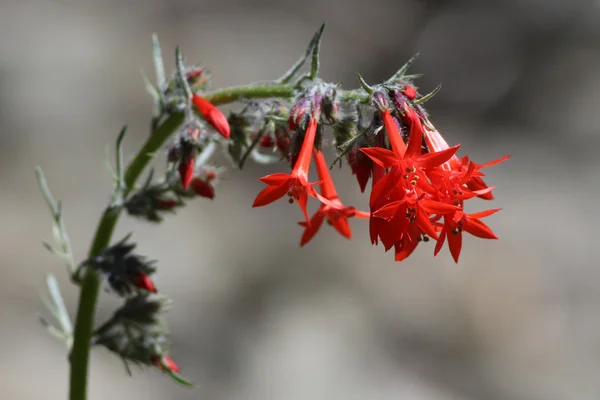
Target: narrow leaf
point(428, 96)
point(119, 156)
point(179, 379)
point(291, 73)
point(402, 71)
point(364, 84)
point(314, 69)
point(181, 73)
point(150, 88)
point(57, 299)
point(46, 192)
point(159, 66)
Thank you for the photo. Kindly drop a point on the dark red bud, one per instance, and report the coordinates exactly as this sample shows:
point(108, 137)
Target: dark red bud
point(165, 204)
point(202, 188)
point(266, 142)
point(186, 171)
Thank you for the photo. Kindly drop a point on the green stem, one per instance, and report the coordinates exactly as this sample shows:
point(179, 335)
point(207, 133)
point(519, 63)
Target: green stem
point(84, 322)
point(259, 91)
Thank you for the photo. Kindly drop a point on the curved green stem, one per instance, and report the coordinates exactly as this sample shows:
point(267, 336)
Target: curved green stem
point(259, 91)
point(90, 287)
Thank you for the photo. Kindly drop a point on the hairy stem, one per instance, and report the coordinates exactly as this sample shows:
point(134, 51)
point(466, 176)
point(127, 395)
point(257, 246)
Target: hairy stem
point(90, 287)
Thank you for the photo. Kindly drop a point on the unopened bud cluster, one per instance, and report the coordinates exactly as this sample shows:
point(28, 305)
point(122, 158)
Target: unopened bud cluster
point(135, 332)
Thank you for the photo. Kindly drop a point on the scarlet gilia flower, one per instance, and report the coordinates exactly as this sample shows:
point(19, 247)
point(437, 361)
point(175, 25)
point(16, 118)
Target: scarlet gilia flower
point(164, 363)
point(337, 214)
point(295, 184)
point(436, 142)
point(403, 200)
point(212, 115)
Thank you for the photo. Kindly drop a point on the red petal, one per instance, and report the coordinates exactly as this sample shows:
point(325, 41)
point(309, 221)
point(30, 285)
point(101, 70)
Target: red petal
point(385, 185)
point(483, 214)
point(342, 226)
point(436, 207)
point(389, 210)
point(416, 134)
point(425, 224)
point(275, 179)
point(440, 242)
point(312, 227)
point(494, 162)
point(302, 200)
point(405, 249)
point(380, 156)
point(270, 194)
point(477, 228)
point(455, 244)
point(432, 160)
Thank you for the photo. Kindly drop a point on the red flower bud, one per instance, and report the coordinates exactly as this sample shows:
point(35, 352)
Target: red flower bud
point(193, 75)
point(203, 188)
point(210, 174)
point(165, 204)
point(410, 92)
point(266, 142)
point(142, 281)
point(186, 171)
point(212, 114)
point(165, 363)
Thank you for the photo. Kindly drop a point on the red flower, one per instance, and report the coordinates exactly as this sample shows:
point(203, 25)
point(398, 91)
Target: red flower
point(337, 214)
point(165, 363)
point(142, 281)
point(456, 223)
point(407, 165)
point(295, 184)
point(361, 166)
point(436, 142)
point(203, 188)
point(212, 114)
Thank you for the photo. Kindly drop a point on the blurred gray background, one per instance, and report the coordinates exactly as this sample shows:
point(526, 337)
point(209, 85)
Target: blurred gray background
point(255, 317)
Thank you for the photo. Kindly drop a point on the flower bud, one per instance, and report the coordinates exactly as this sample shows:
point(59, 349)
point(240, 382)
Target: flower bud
point(212, 115)
point(410, 92)
point(203, 188)
point(186, 171)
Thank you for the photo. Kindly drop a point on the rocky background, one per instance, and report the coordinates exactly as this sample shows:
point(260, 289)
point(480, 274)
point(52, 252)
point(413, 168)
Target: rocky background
point(255, 317)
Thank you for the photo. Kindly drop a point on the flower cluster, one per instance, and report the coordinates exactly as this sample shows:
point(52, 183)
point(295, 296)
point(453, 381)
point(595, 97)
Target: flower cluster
point(419, 185)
